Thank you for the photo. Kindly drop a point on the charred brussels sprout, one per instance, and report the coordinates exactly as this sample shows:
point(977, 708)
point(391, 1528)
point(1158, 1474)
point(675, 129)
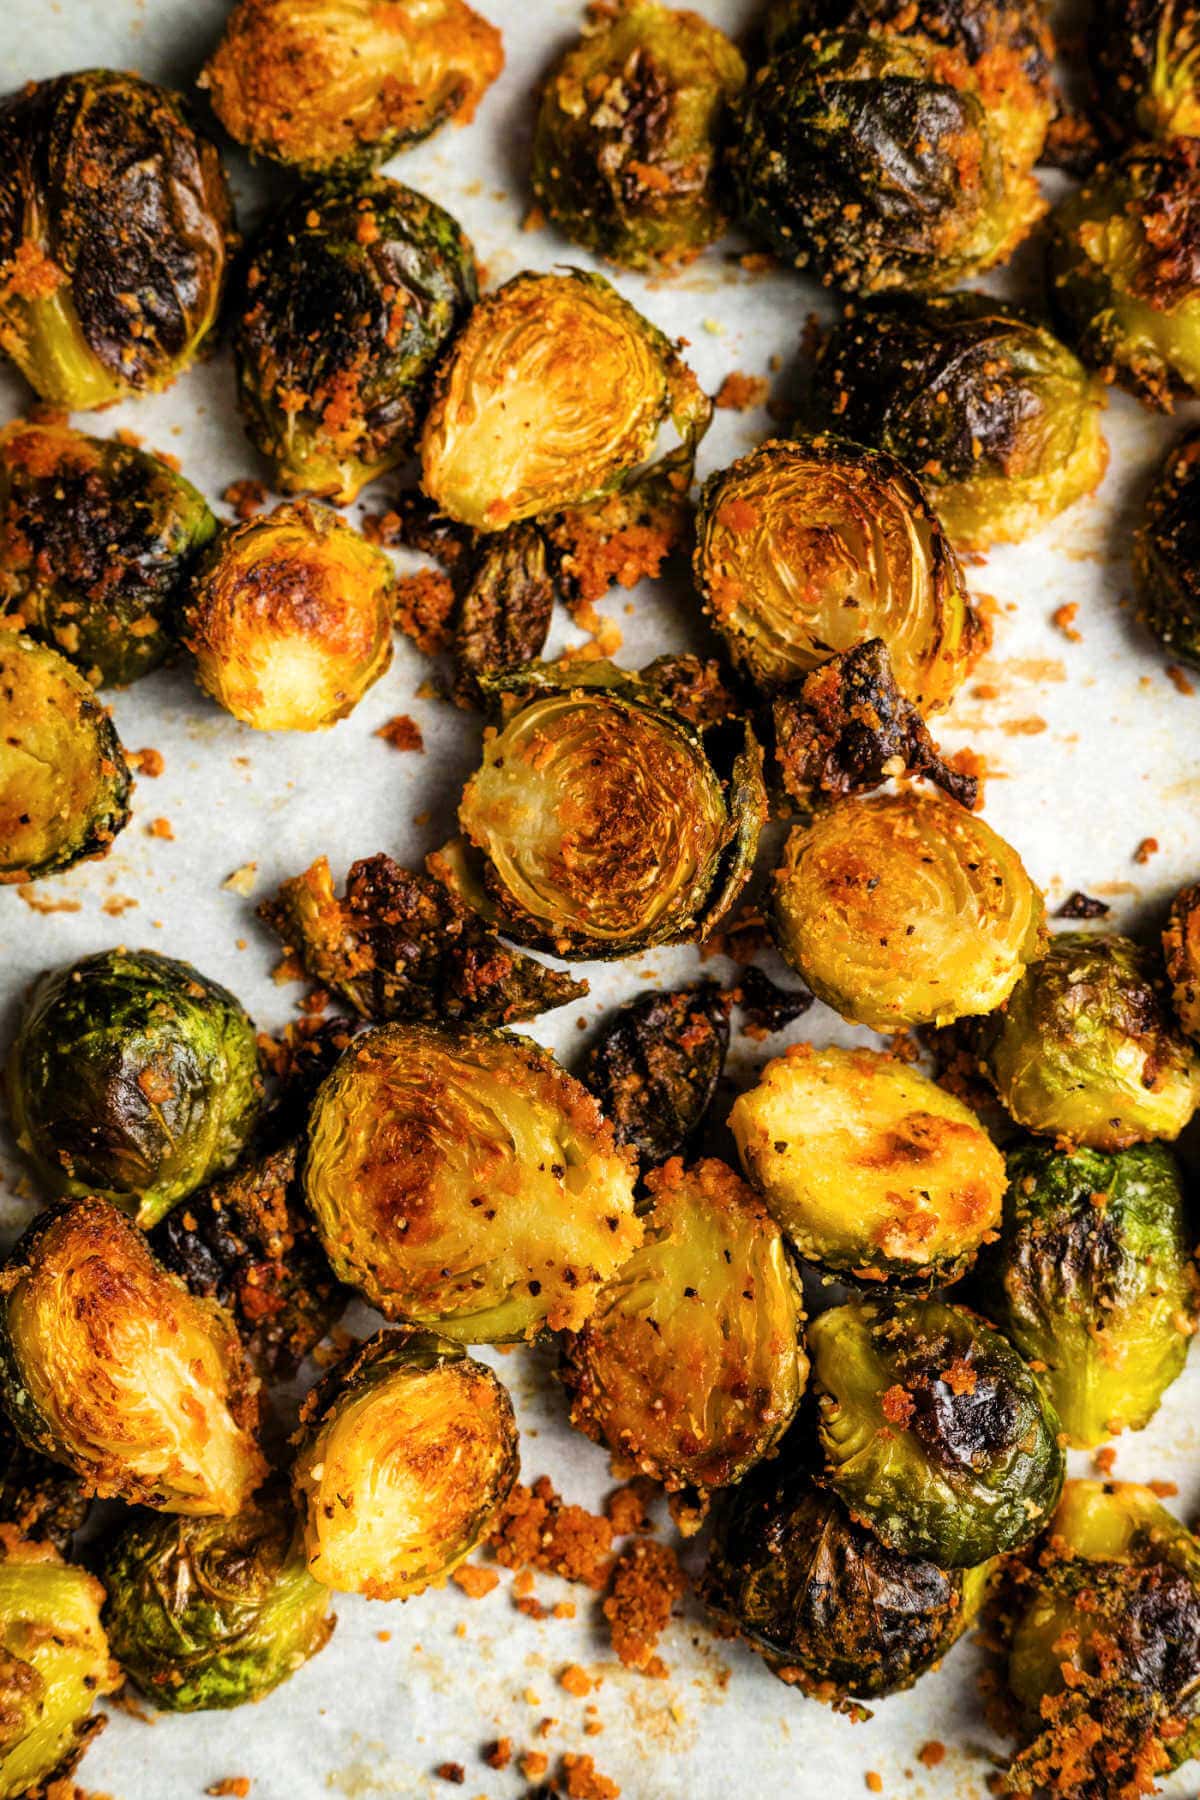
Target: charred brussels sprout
point(905, 909)
point(629, 131)
point(1000, 421)
point(806, 549)
point(64, 783)
point(467, 1182)
point(1166, 553)
point(290, 619)
point(871, 1169)
point(1124, 251)
point(330, 84)
point(109, 1365)
point(352, 293)
point(552, 395)
point(1146, 60)
point(935, 1432)
point(656, 1064)
point(407, 1450)
point(54, 1663)
point(1181, 954)
point(1093, 1280)
point(1086, 1049)
point(134, 1076)
point(213, 1612)
point(100, 301)
point(691, 1366)
point(38, 1498)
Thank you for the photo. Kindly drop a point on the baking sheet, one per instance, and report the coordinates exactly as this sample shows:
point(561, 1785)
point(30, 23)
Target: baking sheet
point(1090, 749)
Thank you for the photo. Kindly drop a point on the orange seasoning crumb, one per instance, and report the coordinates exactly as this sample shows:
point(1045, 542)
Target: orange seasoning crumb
point(498, 1755)
point(474, 1581)
point(1163, 1490)
point(960, 1377)
point(452, 1772)
point(1179, 680)
point(147, 762)
point(424, 603)
point(537, 1529)
point(161, 828)
point(646, 1583)
point(402, 733)
point(1105, 1461)
point(932, 1753)
point(237, 1786)
point(585, 1782)
point(741, 393)
point(874, 1781)
point(576, 1681)
point(246, 498)
point(533, 1764)
point(897, 1406)
point(625, 1508)
point(1063, 619)
point(1145, 850)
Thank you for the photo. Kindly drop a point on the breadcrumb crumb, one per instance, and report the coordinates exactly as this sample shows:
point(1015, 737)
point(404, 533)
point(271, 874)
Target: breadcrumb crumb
point(646, 1583)
point(402, 733)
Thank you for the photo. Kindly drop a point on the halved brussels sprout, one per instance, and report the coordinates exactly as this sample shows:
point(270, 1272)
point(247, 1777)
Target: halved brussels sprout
point(629, 132)
point(1181, 954)
point(691, 1366)
point(38, 1498)
point(1166, 553)
point(872, 1170)
point(467, 1182)
point(935, 1433)
point(290, 619)
point(407, 1451)
point(54, 1663)
point(96, 541)
point(656, 1065)
point(133, 1076)
point(805, 549)
point(353, 291)
point(1146, 60)
point(325, 84)
point(102, 300)
point(505, 607)
point(1122, 276)
point(905, 909)
point(64, 782)
point(552, 395)
point(999, 420)
point(213, 1612)
point(1086, 1049)
point(109, 1365)
point(1093, 1281)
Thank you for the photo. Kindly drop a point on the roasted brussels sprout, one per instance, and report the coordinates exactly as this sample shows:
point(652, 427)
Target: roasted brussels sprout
point(54, 1663)
point(1181, 954)
point(1093, 1281)
point(806, 549)
point(330, 84)
point(467, 1182)
point(629, 130)
point(905, 909)
point(935, 1433)
point(691, 1366)
point(134, 1076)
point(353, 290)
point(64, 783)
point(1086, 1049)
point(552, 395)
point(1166, 553)
point(600, 823)
point(1146, 61)
point(407, 1450)
point(213, 1612)
point(290, 619)
point(102, 300)
point(38, 1498)
point(1123, 251)
point(505, 608)
point(871, 1169)
point(109, 1365)
point(999, 420)
point(655, 1066)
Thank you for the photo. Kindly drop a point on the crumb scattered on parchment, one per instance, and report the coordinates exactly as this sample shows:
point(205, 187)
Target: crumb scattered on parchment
point(474, 1581)
point(44, 903)
point(1063, 619)
point(235, 1786)
point(1145, 850)
point(452, 1772)
point(402, 733)
point(533, 1764)
point(1179, 679)
point(1105, 1461)
point(498, 1754)
point(625, 1507)
point(874, 1781)
point(646, 1583)
point(161, 828)
point(932, 1753)
point(146, 762)
point(116, 904)
point(583, 1781)
point(243, 881)
point(246, 498)
point(538, 1529)
point(575, 1681)
point(741, 393)
point(1163, 1490)
point(424, 603)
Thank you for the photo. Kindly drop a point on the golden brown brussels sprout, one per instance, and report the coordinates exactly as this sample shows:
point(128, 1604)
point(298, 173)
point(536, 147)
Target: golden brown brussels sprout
point(1087, 1051)
point(1093, 1281)
point(1146, 61)
point(905, 909)
point(290, 619)
point(1123, 257)
point(134, 1076)
point(467, 1182)
point(691, 1366)
point(99, 300)
point(629, 131)
point(407, 1451)
point(213, 1612)
point(655, 1067)
point(806, 549)
point(64, 783)
point(1181, 953)
point(935, 1433)
point(1166, 553)
point(110, 1366)
point(39, 1499)
point(54, 1663)
point(871, 1169)
point(552, 396)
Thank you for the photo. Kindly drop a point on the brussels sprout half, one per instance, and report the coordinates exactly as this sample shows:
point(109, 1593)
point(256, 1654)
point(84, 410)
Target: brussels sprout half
point(1166, 553)
point(109, 1365)
point(101, 301)
point(1086, 1049)
point(467, 1182)
point(134, 1076)
point(1146, 61)
point(64, 782)
point(656, 1064)
point(209, 1613)
point(1181, 954)
point(935, 1433)
point(872, 1170)
point(407, 1450)
point(905, 909)
point(805, 549)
